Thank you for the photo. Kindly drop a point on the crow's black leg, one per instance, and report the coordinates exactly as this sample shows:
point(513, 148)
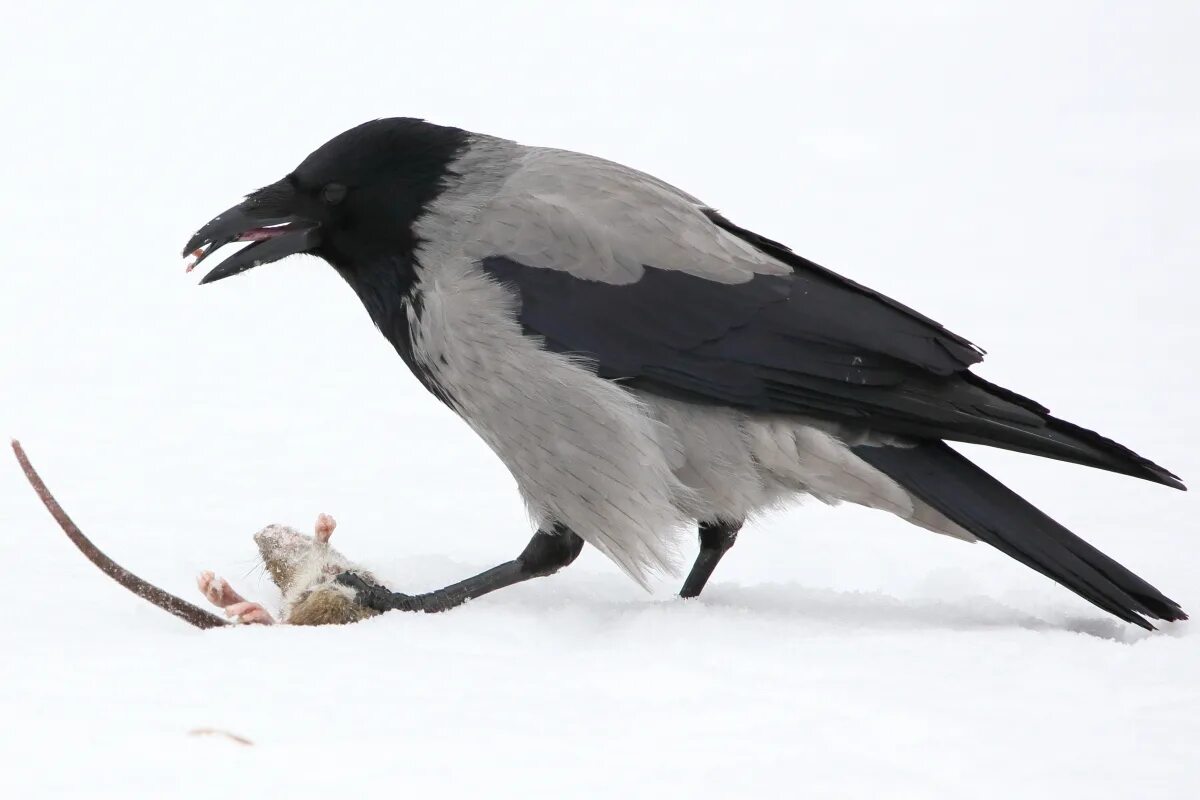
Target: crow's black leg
point(546, 553)
point(715, 539)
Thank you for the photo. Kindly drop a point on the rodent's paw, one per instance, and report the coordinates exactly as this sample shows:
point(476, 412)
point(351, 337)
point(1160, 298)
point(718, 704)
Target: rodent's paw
point(372, 595)
point(248, 613)
point(217, 590)
point(324, 527)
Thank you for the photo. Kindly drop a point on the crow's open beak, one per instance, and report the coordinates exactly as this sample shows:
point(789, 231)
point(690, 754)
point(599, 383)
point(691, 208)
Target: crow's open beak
point(264, 219)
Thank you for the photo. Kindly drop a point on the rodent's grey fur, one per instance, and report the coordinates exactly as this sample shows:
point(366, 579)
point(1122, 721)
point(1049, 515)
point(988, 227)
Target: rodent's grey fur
point(304, 567)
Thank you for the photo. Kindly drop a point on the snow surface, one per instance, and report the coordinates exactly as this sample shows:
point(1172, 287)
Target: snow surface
point(1028, 174)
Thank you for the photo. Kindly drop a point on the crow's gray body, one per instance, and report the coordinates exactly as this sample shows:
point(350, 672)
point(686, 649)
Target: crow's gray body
point(627, 470)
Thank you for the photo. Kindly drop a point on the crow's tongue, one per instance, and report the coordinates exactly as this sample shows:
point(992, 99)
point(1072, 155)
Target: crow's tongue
point(259, 234)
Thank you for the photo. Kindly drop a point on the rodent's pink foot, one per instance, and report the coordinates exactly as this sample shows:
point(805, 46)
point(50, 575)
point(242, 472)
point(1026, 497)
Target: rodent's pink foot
point(249, 613)
point(220, 593)
point(324, 527)
point(217, 590)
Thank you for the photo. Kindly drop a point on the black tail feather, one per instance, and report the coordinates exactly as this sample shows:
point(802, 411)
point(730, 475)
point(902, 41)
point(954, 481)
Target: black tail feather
point(995, 514)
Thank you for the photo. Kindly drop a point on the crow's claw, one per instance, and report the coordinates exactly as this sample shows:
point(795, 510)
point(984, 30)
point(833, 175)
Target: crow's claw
point(374, 596)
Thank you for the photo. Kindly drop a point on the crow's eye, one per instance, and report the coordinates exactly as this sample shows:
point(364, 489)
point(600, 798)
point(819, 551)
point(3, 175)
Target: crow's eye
point(333, 193)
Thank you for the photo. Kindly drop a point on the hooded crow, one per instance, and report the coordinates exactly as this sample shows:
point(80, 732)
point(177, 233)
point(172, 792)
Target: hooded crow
point(640, 363)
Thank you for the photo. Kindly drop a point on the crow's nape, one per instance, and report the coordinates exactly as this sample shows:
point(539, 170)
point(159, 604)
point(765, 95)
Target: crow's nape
point(972, 498)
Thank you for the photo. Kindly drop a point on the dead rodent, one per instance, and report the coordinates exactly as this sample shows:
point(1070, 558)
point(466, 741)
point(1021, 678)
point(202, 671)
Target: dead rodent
point(303, 567)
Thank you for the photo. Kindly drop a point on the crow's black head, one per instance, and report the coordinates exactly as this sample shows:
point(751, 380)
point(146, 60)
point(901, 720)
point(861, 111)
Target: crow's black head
point(352, 202)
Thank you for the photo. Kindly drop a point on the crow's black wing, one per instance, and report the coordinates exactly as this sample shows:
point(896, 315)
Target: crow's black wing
point(801, 344)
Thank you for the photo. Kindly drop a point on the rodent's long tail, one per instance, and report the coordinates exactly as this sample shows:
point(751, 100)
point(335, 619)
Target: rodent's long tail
point(181, 608)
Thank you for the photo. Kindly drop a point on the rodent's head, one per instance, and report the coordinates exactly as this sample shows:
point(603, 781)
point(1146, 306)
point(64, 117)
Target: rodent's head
point(291, 556)
point(284, 551)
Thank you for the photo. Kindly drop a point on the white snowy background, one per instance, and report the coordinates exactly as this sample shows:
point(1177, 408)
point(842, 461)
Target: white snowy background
point(1026, 173)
